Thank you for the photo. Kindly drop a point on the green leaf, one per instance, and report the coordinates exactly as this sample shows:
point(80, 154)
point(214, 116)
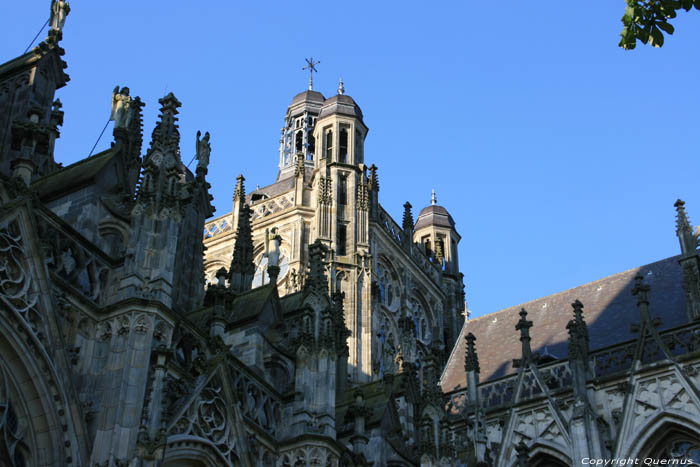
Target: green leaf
point(667, 27)
point(657, 37)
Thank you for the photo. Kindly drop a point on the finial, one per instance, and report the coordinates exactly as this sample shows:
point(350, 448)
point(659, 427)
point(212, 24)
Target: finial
point(341, 88)
point(433, 198)
point(311, 66)
point(524, 326)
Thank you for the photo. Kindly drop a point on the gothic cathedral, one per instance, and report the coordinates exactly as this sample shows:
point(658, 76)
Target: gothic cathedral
point(306, 327)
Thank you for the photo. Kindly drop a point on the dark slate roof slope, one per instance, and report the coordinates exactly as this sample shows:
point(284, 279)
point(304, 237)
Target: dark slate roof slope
point(609, 310)
point(73, 176)
point(434, 215)
point(270, 191)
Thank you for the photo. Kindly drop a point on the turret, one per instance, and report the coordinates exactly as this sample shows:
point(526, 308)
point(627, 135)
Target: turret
point(435, 231)
point(340, 132)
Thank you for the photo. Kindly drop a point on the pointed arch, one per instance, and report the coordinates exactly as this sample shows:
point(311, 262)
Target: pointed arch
point(544, 453)
point(663, 427)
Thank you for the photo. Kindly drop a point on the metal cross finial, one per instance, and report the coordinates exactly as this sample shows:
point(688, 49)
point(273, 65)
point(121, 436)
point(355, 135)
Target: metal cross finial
point(311, 66)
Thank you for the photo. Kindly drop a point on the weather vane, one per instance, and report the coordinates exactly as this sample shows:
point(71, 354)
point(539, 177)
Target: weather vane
point(311, 66)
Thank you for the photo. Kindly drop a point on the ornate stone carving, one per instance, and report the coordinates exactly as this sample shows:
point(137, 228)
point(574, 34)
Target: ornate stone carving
point(16, 290)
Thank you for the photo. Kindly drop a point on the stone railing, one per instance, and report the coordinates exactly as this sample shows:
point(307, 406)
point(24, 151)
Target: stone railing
point(264, 208)
point(557, 375)
point(679, 340)
point(398, 235)
point(218, 226)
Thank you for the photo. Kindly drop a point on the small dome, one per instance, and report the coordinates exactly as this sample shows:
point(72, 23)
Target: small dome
point(341, 104)
point(308, 96)
point(434, 215)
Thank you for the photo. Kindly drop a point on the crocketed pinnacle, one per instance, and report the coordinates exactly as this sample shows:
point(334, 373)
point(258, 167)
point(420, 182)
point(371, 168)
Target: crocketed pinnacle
point(317, 275)
point(239, 192)
point(242, 265)
point(578, 333)
point(471, 360)
point(165, 134)
point(684, 230)
point(373, 179)
point(407, 223)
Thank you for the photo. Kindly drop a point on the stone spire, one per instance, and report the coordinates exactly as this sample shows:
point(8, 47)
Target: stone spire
point(317, 269)
point(242, 265)
point(524, 326)
point(684, 230)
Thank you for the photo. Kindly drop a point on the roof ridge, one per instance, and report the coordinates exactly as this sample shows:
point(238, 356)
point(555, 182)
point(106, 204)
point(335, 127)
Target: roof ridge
point(524, 304)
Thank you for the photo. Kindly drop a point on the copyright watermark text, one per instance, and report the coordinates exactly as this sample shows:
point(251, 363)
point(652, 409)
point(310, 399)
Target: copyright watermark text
point(634, 461)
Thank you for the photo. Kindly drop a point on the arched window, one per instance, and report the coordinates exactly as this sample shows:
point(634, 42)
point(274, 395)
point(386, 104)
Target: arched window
point(329, 144)
point(343, 190)
point(342, 239)
point(299, 141)
point(358, 147)
point(343, 146)
point(312, 148)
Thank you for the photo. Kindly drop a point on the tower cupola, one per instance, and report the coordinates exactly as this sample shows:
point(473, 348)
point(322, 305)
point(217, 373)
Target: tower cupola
point(435, 231)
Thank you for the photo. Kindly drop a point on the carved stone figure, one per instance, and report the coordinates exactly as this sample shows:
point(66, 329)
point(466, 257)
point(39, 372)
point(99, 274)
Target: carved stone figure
point(59, 12)
point(120, 107)
point(272, 246)
point(203, 150)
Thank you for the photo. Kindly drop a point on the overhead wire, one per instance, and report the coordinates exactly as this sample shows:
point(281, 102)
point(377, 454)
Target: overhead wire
point(35, 37)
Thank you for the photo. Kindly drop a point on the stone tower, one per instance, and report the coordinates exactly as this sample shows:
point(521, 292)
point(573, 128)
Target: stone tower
point(324, 191)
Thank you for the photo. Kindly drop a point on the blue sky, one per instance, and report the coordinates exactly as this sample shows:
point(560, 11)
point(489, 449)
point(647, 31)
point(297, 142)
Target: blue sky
point(558, 154)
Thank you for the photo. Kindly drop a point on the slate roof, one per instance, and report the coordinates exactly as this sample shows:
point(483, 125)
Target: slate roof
point(73, 176)
point(277, 188)
point(609, 310)
point(341, 104)
point(308, 96)
point(434, 215)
